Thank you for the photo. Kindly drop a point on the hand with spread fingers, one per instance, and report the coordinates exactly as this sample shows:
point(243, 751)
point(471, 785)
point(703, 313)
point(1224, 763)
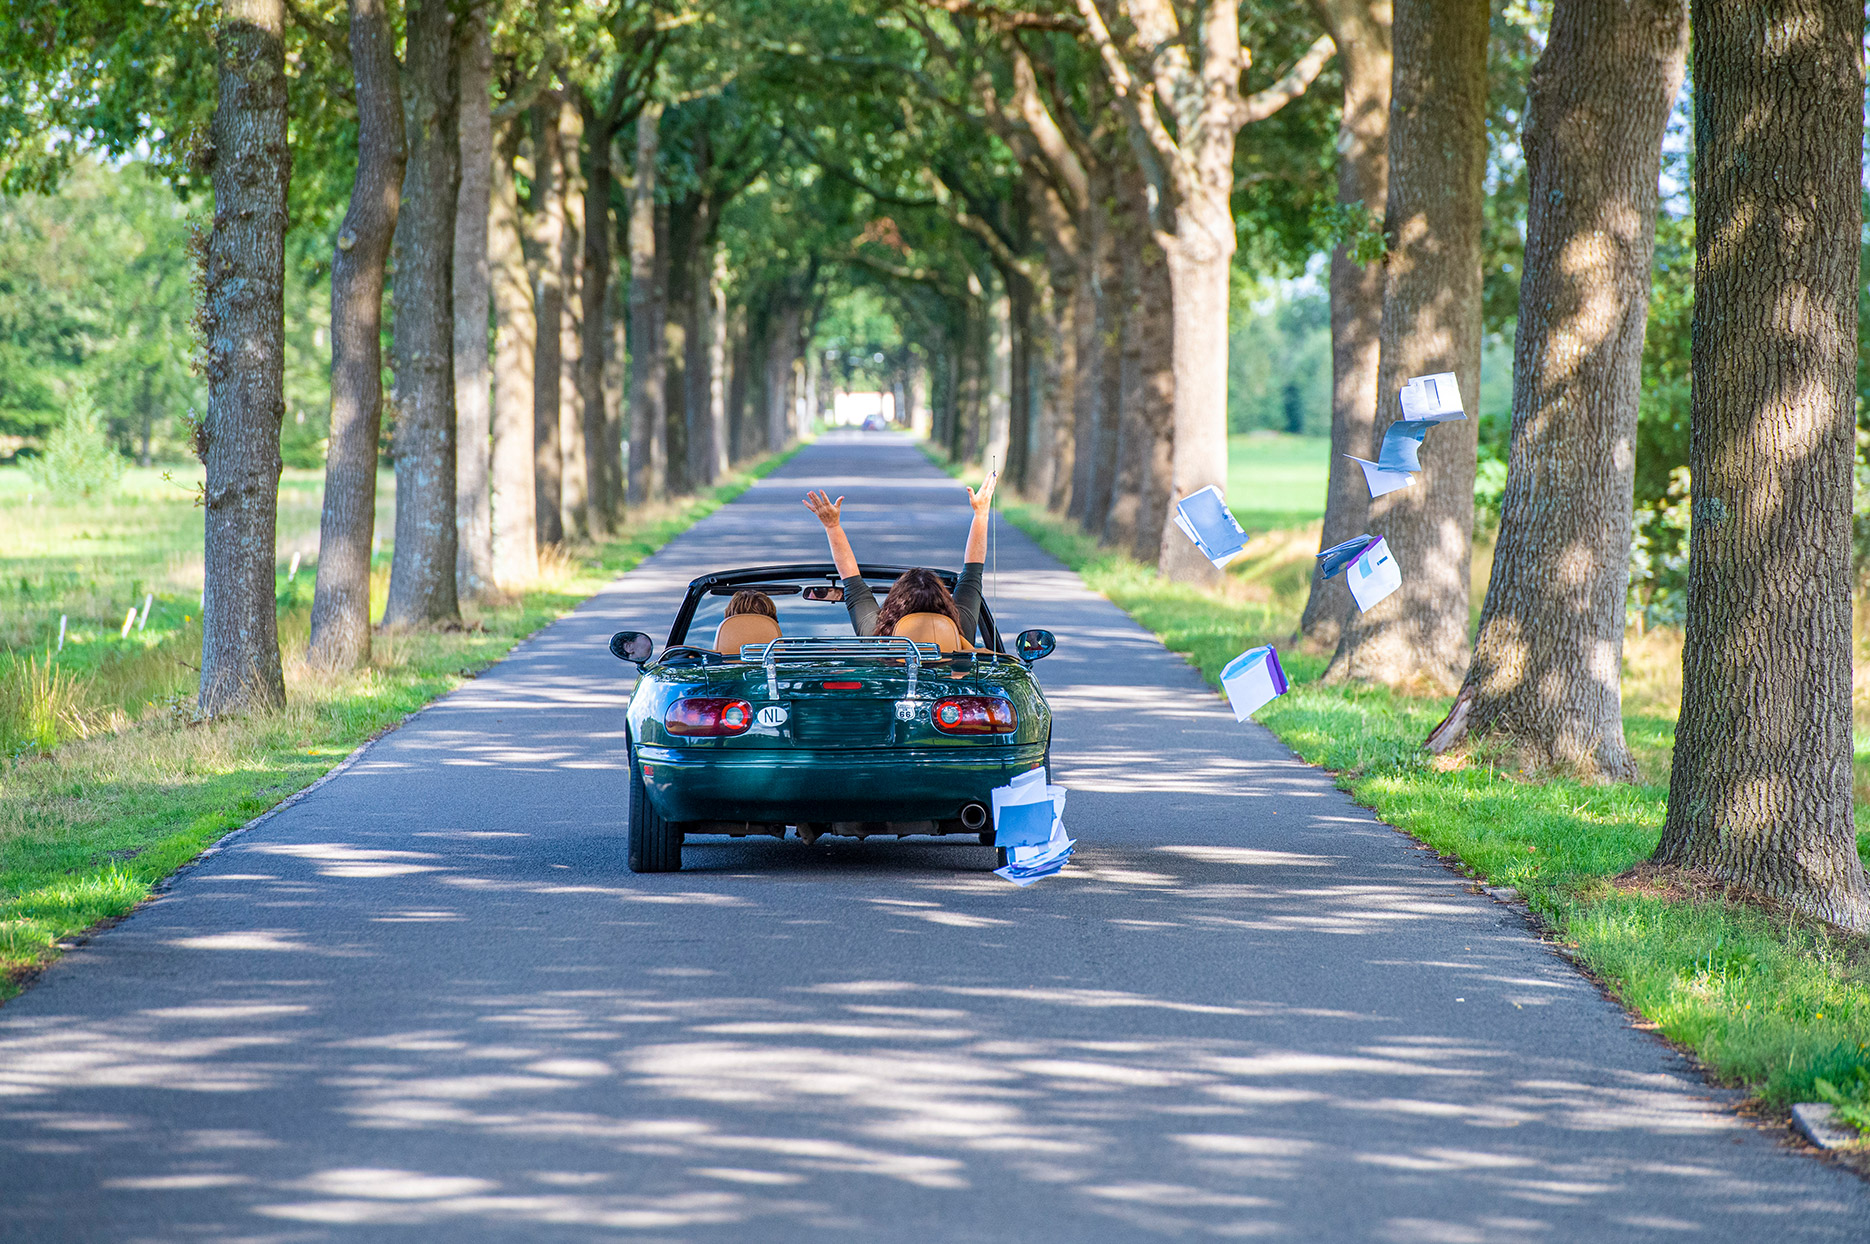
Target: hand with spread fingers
point(984, 498)
point(828, 512)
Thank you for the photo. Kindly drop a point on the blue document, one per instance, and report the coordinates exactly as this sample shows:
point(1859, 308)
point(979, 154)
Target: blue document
point(1401, 444)
point(1024, 825)
point(1204, 518)
point(1333, 560)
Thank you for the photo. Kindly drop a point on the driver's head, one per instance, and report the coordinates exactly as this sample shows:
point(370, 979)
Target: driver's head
point(917, 591)
point(752, 602)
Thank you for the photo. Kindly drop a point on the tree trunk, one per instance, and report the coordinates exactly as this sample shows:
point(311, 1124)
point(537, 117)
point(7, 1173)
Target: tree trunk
point(1076, 360)
point(647, 375)
point(548, 245)
point(781, 344)
point(1760, 791)
point(1056, 351)
point(516, 330)
point(999, 429)
point(1431, 323)
point(594, 289)
point(1362, 30)
point(573, 479)
point(243, 323)
point(1155, 330)
point(422, 568)
point(1096, 335)
point(674, 251)
point(1021, 313)
point(473, 447)
point(1548, 660)
point(740, 428)
point(717, 363)
point(697, 337)
point(1200, 254)
point(340, 636)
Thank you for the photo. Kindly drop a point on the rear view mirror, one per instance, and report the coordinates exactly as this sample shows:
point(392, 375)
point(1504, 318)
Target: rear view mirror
point(1033, 644)
point(633, 646)
point(824, 593)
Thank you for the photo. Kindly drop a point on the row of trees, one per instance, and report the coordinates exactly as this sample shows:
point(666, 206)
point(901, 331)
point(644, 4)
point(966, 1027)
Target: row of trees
point(615, 223)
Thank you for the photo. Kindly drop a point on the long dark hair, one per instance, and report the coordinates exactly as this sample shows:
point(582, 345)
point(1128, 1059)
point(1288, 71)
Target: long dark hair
point(918, 591)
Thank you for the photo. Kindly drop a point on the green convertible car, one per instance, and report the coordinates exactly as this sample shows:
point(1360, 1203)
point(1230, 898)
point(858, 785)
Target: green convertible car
point(753, 725)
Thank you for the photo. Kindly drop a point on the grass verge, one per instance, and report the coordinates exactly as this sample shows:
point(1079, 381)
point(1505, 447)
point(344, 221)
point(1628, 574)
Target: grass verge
point(1767, 1001)
point(88, 828)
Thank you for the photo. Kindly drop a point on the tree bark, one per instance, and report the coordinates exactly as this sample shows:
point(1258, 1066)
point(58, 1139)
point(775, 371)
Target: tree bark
point(1022, 313)
point(1760, 790)
point(1431, 323)
point(1362, 31)
point(781, 346)
point(594, 290)
point(674, 253)
point(548, 245)
point(648, 378)
point(1155, 329)
point(473, 446)
point(516, 329)
point(573, 481)
point(1097, 331)
point(340, 637)
point(717, 363)
point(1548, 659)
point(243, 322)
point(422, 568)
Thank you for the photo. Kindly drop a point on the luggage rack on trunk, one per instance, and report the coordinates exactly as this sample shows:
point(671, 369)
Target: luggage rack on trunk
point(835, 647)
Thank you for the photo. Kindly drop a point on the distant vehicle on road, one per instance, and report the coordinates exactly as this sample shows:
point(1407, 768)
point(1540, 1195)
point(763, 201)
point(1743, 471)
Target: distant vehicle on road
point(876, 423)
point(753, 725)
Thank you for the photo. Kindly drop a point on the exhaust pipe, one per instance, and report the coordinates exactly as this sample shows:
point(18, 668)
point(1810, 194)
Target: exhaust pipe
point(974, 817)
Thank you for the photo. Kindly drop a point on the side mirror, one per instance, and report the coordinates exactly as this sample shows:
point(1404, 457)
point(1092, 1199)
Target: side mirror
point(633, 646)
point(1033, 644)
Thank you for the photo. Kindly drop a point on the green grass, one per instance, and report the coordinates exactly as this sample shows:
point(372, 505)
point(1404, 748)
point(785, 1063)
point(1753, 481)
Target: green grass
point(1276, 481)
point(89, 827)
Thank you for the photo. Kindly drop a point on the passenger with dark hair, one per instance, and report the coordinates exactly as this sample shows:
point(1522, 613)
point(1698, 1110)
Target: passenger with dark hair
point(918, 604)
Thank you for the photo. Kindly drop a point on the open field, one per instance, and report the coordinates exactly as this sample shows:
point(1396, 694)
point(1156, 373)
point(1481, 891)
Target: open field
point(117, 783)
point(1276, 481)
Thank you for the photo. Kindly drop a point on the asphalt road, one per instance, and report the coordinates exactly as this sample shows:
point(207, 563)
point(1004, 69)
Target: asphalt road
point(429, 1002)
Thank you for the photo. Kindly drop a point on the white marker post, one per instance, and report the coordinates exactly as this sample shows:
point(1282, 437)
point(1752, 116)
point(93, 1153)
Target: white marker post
point(143, 621)
point(61, 632)
point(292, 570)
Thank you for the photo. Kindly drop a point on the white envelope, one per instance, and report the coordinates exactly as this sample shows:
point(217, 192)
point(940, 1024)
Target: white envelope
point(1379, 480)
point(1027, 789)
point(1434, 398)
point(1374, 575)
point(1252, 680)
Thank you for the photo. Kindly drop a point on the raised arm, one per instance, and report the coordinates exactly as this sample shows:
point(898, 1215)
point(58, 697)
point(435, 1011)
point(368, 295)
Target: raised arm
point(982, 502)
point(828, 512)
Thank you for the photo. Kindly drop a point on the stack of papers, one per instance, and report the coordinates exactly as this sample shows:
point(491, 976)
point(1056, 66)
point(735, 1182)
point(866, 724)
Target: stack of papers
point(1253, 679)
point(1426, 400)
point(1204, 518)
point(1029, 822)
point(1374, 573)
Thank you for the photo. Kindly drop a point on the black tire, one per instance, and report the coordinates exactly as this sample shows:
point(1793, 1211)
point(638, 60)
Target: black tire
point(655, 844)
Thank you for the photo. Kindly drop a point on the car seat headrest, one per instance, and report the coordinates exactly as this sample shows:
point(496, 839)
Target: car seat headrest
point(744, 628)
point(933, 628)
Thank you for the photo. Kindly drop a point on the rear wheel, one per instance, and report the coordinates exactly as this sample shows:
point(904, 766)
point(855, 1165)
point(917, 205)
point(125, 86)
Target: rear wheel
point(655, 844)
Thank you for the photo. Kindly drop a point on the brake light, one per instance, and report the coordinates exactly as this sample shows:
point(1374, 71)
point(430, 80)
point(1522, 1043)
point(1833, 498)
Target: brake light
point(843, 686)
point(974, 714)
point(708, 718)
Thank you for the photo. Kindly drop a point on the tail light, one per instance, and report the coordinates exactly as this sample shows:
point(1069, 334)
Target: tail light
point(974, 714)
point(708, 719)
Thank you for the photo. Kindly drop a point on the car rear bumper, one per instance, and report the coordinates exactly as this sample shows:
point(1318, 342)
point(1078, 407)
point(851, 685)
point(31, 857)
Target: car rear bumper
point(793, 786)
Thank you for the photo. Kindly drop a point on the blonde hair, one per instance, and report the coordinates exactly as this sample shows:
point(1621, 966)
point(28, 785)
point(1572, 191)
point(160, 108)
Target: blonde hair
point(748, 601)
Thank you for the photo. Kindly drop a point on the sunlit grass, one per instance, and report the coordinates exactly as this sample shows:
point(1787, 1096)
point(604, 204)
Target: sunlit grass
point(91, 820)
point(1768, 1001)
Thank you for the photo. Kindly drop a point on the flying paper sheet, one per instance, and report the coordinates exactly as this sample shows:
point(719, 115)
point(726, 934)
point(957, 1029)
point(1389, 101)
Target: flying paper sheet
point(1373, 575)
point(1380, 480)
point(1253, 679)
point(1204, 518)
point(1338, 556)
point(1401, 444)
point(1432, 399)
